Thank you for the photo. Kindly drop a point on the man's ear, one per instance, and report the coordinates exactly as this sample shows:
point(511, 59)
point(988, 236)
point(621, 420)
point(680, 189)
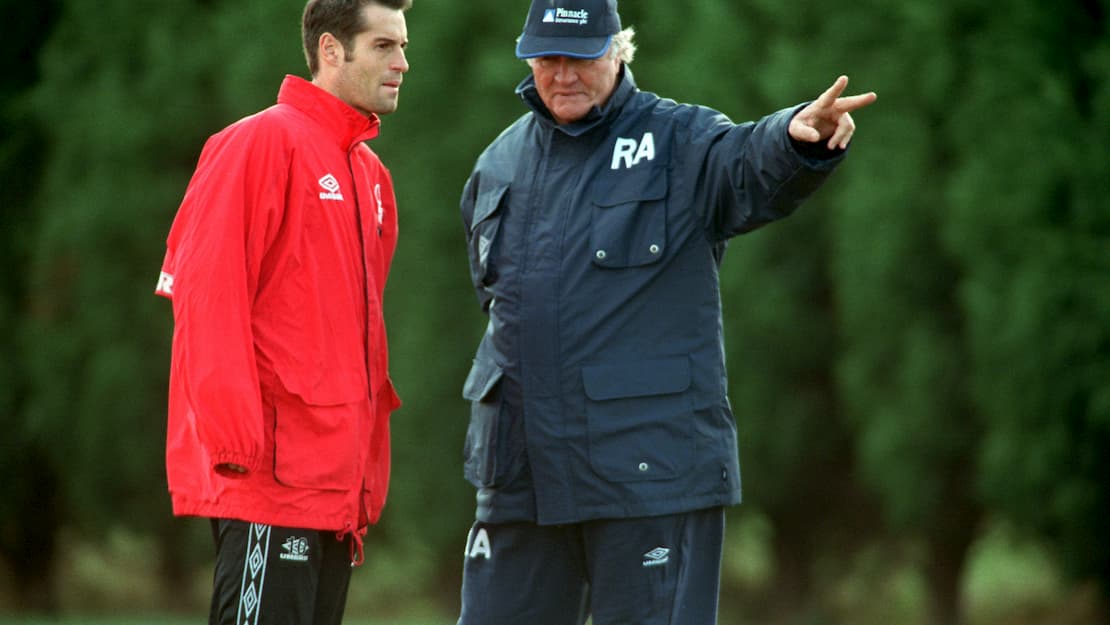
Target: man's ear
point(331, 51)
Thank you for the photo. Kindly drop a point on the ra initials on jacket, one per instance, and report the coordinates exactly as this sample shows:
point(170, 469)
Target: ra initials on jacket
point(629, 152)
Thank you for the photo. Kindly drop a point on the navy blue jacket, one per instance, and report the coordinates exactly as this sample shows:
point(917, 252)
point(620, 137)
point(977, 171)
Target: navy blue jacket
point(599, 389)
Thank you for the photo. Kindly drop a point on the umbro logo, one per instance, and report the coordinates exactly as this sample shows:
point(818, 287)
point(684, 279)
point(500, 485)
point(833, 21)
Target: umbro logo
point(657, 556)
point(296, 549)
point(331, 189)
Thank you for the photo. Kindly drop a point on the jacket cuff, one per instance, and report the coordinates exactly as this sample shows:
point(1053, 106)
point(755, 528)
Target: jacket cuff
point(813, 155)
point(815, 151)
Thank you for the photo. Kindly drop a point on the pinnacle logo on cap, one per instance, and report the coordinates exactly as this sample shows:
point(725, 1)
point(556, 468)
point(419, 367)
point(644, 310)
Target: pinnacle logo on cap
point(566, 16)
point(576, 28)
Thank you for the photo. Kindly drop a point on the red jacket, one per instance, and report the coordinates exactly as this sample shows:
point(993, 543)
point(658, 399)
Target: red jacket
point(275, 264)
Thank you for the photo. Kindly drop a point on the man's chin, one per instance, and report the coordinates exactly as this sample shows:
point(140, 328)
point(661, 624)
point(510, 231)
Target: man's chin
point(569, 114)
point(385, 108)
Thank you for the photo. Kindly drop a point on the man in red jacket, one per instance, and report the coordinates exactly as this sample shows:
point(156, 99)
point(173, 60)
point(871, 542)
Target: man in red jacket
point(279, 396)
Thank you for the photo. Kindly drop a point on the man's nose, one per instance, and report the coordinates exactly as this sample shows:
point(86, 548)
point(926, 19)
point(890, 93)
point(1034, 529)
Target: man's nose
point(566, 71)
point(401, 62)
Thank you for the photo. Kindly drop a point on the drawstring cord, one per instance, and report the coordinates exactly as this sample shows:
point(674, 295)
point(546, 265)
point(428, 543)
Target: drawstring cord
point(358, 555)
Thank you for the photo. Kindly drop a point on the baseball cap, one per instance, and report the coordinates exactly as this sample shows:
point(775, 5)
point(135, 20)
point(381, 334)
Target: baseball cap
point(575, 28)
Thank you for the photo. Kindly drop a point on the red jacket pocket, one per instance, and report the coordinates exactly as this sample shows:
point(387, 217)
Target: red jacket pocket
point(316, 442)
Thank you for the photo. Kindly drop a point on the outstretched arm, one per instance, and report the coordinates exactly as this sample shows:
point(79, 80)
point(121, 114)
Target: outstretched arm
point(828, 117)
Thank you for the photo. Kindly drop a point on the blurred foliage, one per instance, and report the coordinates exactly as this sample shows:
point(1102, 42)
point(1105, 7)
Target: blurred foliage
point(925, 346)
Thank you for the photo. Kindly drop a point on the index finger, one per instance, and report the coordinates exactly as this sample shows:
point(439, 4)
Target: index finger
point(851, 103)
point(832, 93)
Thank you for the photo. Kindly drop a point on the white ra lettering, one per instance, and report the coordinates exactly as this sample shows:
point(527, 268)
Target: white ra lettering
point(631, 152)
point(165, 284)
point(624, 150)
point(478, 545)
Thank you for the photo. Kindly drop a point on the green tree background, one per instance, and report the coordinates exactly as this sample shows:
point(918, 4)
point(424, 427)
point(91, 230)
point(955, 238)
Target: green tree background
point(919, 360)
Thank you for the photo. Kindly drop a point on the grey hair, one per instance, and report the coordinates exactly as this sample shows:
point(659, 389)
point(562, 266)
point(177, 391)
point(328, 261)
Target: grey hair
point(622, 47)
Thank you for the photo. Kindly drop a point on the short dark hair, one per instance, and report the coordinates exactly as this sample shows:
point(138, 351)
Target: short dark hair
point(341, 18)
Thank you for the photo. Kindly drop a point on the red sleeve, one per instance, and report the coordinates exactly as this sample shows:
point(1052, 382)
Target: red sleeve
point(211, 272)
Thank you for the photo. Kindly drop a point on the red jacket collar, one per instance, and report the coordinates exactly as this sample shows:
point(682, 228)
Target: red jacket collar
point(345, 124)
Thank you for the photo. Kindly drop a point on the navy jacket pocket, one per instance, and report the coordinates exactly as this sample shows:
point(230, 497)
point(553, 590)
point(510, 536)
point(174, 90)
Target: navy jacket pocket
point(481, 448)
point(640, 419)
point(629, 221)
point(485, 226)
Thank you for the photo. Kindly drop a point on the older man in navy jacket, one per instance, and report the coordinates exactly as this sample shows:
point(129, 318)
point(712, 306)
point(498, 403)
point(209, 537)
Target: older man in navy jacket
point(601, 439)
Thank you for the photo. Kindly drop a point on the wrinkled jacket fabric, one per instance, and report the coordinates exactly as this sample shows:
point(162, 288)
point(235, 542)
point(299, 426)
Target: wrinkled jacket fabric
point(276, 263)
point(599, 388)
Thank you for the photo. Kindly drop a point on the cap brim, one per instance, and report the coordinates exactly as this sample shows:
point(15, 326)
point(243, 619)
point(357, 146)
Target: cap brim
point(576, 47)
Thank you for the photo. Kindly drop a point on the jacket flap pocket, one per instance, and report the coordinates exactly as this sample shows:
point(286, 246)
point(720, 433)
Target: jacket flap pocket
point(640, 188)
point(637, 379)
point(331, 389)
point(484, 375)
point(489, 199)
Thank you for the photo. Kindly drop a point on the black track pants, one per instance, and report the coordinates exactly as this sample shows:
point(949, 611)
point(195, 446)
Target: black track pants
point(268, 575)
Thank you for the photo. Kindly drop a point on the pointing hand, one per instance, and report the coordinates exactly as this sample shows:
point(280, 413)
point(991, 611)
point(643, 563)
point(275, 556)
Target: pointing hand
point(828, 117)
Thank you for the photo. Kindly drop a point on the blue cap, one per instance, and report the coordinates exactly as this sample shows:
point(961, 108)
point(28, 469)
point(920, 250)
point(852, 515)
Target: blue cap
point(577, 28)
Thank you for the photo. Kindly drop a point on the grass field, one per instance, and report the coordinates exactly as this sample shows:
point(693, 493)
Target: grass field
point(1008, 581)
